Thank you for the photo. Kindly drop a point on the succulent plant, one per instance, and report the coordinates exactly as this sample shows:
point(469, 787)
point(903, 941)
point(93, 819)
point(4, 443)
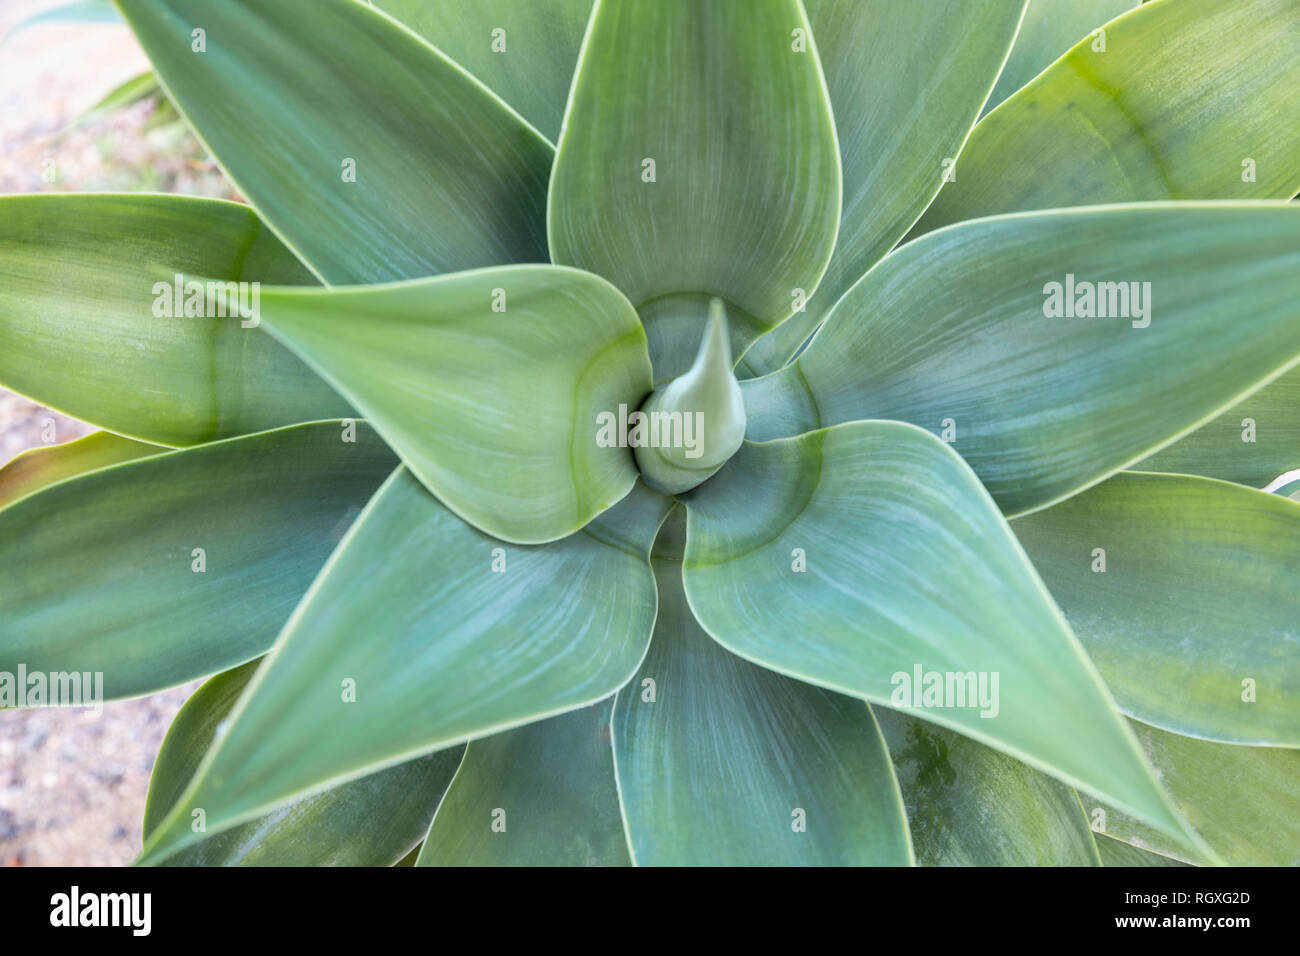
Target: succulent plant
point(761, 444)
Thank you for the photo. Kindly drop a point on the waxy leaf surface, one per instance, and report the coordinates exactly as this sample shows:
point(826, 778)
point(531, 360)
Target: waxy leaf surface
point(1184, 592)
point(371, 821)
point(723, 763)
point(970, 805)
point(698, 159)
point(490, 385)
point(906, 83)
point(539, 795)
point(1189, 100)
point(375, 157)
point(89, 324)
point(422, 633)
point(983, 334)
point(172, 567)
point(867, 558)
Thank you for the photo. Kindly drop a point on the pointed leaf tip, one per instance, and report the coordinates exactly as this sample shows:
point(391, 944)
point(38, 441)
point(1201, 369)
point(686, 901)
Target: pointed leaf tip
point(696, 422)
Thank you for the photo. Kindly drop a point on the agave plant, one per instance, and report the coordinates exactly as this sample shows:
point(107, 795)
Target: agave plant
point(767, 432)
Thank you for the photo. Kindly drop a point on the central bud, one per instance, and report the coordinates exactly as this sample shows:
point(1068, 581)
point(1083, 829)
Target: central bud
point(690, 427)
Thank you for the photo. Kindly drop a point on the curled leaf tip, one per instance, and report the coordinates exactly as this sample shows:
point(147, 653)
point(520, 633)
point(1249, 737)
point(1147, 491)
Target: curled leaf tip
point(691, 426)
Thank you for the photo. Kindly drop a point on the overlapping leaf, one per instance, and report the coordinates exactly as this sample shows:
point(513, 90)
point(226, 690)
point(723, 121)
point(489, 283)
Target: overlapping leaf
point(1183, 590)
point(1118, 853)
point(421, 633)
point(866, 558)
point(1051, 28)
point(377, 158)
point(540, 795)
point(721, 762)
point(179, 565)
point(1175, 311)
point(371, 821)
point(89, 323)
point(44, 465)
point(906, 83)
point(1189, 100)
point(490, 384)
point(523, 50)
point(1241, 800)
point(1251, 443)
point(698, 159)
point(969, 805)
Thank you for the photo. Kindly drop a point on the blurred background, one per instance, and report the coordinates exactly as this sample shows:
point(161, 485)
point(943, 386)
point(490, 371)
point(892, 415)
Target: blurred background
point(72, 789)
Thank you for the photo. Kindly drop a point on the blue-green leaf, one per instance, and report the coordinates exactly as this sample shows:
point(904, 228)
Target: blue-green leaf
point(906, 82)
point(1241, 800)
point(419, 634)
point(491, 384)
point(983, 333)
point(94, 323)
point(1183, 590)
point(867, 558)
point(523, 50)
point(371, 821)
point(1194, 99)
point(540, 795)
point(722, 763)
point(1251, 443)
point(369, 152)
point(1050, 29)
point(698, 159)
point(1117, 853)
point(172, 567)
point(970, 805)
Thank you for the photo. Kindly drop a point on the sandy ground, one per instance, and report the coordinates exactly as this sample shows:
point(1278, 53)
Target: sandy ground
point(72, 789)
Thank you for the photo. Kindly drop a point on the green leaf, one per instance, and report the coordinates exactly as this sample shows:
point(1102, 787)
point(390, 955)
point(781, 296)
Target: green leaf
point(529, 63)
point(292, 101)
point(411, 858)
point(866, 557)
point(1183, 590)
point(721, 763)
point(1251, 443)
point(372, 821)
point(1184, 94)
point(1241, 800)
point(540, 795)
point(490, 384)
point(104, 573)
point(952, 333)
point(906, 83)
point(1117, 853)
point(970, 805)
point(1050, 29)
point(698, 159)
point(463, 637)
point(78, 330)
point(140, 87)
point(38, 467)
